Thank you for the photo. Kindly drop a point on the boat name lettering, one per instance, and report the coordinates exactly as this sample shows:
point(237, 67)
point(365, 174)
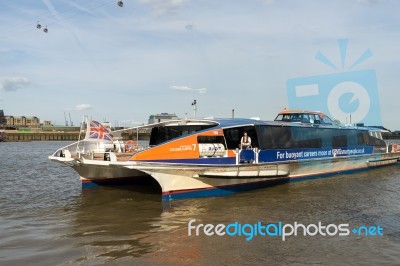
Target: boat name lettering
point(184, 148)
point(294, 155)
point(348, 151)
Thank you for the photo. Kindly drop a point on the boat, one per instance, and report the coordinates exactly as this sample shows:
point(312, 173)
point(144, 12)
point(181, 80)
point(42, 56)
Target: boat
point(203, 157)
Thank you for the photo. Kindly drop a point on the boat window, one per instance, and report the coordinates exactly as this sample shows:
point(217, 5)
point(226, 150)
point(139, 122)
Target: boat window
point(362, 138)
point(317, 119)
point(339, 141)
point(305, 118)
point(295, 117)
point(304, 137)
point(271, 137)
point(284, 117)
point(161, 134)
point(289, 118)
point(327, 120)
point(377, 135)
point(211, 140)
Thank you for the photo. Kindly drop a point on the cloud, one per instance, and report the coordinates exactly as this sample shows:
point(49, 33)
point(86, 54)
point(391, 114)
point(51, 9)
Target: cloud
point(164, 6)
point(202, 90)
point(13, 83)
point(83, 107)
point(187, 89)
point(180, 88)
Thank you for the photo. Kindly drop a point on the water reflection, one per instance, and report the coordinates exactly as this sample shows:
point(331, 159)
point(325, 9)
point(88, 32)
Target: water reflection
point(127, 225)
point(114, 222)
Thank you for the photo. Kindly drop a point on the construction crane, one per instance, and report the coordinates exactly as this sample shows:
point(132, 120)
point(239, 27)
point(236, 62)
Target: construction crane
point(65, 118)
point(70, 121)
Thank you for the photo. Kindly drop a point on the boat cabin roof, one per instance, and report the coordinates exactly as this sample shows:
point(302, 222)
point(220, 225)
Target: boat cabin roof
point(301, 116)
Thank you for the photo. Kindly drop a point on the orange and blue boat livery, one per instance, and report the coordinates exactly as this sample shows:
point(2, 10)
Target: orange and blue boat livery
point(201, 157)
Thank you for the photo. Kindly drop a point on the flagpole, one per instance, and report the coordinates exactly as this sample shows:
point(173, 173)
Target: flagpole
point(80, 132)
point(137, 136)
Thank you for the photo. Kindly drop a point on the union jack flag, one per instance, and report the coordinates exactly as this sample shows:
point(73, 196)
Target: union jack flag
point(98, 131)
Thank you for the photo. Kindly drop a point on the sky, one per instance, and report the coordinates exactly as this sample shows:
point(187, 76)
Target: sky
point(123, 64)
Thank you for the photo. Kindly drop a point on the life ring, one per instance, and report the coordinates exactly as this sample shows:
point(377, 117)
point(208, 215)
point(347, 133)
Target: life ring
point(130, 146)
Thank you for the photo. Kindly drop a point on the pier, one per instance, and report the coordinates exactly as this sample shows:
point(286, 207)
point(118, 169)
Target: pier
point(21, 135)
point(45, 135)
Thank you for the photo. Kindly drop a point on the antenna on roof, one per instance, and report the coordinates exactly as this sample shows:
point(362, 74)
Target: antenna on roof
point(194, 104)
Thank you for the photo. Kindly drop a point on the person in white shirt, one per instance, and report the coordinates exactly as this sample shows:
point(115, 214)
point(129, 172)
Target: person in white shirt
point(245, 141)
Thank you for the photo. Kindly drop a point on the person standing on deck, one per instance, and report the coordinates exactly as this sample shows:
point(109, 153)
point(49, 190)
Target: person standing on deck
point(245, 141)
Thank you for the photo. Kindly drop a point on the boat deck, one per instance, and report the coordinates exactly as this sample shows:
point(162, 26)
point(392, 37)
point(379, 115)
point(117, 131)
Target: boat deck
point(121, 157)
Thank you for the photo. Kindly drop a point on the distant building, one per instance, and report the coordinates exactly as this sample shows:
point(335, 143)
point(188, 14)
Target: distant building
point(47, 123)
point(19, 121)
point(161, 117)
point(10, 121)
point(32, 121)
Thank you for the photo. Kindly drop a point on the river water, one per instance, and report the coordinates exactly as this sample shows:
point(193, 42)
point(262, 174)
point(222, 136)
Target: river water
point(47, 219)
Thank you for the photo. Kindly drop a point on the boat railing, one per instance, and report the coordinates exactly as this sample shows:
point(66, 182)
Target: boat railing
point(247, 155)
point(71, 148)
point(91, 150)
point(392, 146)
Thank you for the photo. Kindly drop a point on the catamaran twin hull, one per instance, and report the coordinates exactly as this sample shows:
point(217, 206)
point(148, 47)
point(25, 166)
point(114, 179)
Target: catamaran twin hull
point(179, 181)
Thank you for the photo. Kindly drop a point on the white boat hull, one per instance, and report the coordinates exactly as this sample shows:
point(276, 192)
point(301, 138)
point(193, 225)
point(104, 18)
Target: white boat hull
point(180, 181)
point(95, 172)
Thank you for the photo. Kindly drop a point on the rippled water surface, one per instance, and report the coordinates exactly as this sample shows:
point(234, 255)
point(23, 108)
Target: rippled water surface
point(46, 219)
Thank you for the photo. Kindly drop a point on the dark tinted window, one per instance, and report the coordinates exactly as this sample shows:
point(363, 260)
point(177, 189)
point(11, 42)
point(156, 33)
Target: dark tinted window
point(339, 141)
point(280, 137)
point(211, 139)
point(161, 134)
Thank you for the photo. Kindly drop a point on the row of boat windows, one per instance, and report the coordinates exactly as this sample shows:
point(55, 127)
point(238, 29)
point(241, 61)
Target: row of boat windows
point(275, 137)
point(304, 137)
point(304, 118)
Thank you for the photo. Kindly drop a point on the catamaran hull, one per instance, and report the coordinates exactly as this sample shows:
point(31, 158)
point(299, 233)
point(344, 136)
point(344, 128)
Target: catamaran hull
point(180, 181)
point(95, 172)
